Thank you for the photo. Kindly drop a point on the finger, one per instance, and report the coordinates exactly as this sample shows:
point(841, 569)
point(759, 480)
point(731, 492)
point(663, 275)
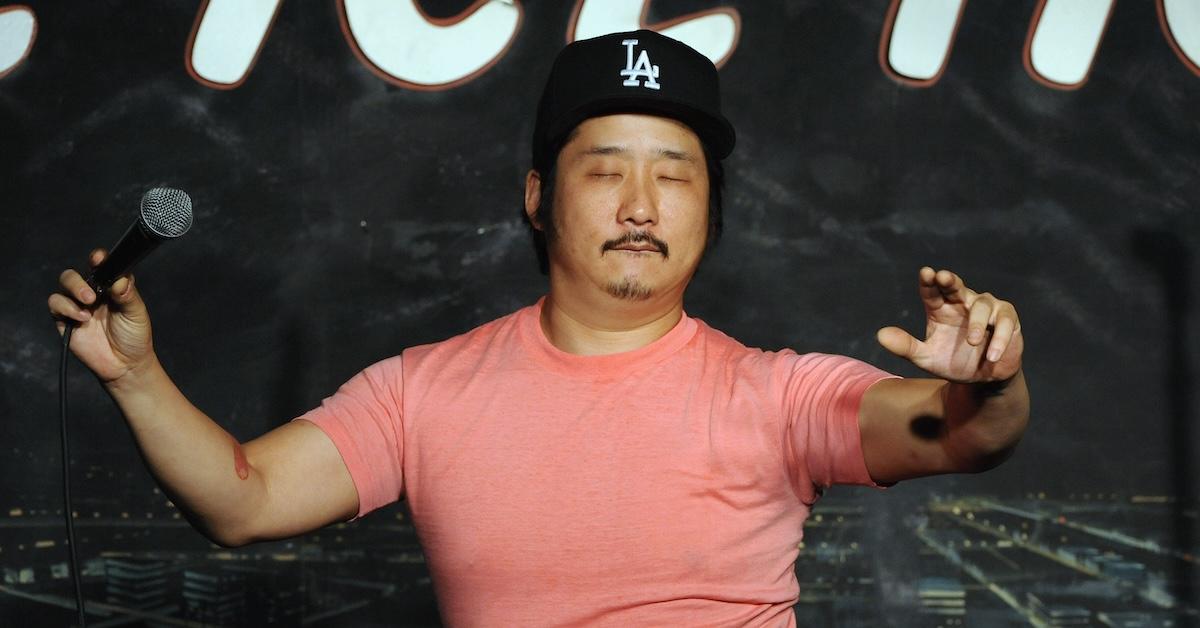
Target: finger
point(927, 287)
point(978, 319)
point(898, 341)
point(952, 288)
point(97, 256)
point(74, 285)
point(1006, 327)
point(61, 306)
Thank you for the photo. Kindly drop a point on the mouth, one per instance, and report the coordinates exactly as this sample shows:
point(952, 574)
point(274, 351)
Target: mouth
point(636, 242)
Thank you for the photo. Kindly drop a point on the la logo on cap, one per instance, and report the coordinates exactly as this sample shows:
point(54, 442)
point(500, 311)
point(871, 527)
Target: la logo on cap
point(641, 69)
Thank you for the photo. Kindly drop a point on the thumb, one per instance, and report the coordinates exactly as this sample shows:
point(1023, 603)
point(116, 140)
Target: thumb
point(125, 296)
point(898, 342)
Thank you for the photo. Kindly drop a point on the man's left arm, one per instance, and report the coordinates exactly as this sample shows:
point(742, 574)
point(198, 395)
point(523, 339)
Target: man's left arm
point(972, 415)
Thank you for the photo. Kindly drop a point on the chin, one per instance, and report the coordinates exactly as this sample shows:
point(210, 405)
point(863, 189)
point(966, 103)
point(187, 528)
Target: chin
point(630, 288)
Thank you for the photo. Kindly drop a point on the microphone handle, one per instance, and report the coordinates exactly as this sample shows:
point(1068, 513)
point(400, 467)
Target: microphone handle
point(137, 242)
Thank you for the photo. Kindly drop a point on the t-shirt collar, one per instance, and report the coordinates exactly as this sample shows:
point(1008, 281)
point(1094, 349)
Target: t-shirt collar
point(601, 365)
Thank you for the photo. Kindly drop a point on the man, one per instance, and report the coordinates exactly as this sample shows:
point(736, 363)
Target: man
point(599, 457)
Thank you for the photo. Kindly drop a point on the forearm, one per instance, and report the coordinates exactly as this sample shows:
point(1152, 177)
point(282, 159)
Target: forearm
point(984, 421)
point(200, 465)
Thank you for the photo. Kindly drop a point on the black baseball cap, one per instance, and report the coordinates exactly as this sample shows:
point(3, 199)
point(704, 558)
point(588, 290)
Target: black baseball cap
point(633, 72)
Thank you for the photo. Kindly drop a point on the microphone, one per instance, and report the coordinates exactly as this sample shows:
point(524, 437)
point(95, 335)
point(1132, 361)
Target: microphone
point(166, 214)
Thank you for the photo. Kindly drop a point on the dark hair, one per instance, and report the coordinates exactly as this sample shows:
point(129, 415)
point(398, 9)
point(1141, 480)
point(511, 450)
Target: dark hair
point(545, 212)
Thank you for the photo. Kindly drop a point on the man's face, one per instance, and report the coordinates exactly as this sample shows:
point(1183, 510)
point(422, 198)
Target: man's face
point(630, 207)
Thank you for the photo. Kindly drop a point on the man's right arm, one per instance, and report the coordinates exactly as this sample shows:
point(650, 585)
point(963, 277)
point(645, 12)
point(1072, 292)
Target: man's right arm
point(286, 482)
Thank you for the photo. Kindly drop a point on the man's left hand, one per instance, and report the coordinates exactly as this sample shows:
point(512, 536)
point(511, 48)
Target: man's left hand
point(970, 337)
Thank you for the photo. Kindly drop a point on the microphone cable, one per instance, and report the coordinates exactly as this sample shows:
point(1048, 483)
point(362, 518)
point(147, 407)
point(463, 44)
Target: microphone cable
point(66, 471)
point(164, 214)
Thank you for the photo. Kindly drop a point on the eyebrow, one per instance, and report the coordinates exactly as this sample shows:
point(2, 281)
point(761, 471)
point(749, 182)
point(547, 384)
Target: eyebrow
point(666, 153)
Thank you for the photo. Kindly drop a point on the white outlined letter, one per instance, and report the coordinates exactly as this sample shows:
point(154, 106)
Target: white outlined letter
point(18, 29)
point(226, 40)
point(397, 41)
point(917, 38)
point(1064, 36)
point(714, 32)
point(1180, 20)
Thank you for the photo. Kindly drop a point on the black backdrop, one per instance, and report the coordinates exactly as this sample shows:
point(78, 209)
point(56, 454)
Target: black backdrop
point(340, 218)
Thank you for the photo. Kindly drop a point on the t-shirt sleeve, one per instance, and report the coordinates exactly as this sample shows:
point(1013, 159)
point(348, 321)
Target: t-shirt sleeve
point(822, 397)
point(364, 420)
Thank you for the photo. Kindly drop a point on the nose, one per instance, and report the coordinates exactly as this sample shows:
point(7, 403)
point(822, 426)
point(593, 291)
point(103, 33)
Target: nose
point(639, 201)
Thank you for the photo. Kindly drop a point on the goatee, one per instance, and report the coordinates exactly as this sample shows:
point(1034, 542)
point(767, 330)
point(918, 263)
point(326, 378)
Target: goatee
point(630, 289)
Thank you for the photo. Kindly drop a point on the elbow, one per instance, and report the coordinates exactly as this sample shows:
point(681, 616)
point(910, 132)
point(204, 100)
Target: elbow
point(982, 450)
point(224, 535)
point(991, 460)
point(984, 459)
point(228, 541)
point(1007, 443)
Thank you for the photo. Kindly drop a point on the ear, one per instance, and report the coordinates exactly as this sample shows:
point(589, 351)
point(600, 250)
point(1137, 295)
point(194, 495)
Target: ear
point(533, 197)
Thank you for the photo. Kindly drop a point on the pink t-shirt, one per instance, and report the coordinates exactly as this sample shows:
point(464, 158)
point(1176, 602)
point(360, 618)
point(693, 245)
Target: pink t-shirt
point(664, 486)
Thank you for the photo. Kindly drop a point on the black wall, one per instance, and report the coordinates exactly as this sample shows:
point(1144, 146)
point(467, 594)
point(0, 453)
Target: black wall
point(340, 218)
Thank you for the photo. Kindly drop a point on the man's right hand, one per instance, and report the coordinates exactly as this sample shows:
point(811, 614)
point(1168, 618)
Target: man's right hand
point(113, 337)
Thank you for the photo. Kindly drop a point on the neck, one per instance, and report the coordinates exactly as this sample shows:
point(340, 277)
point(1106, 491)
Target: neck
point(609, 326)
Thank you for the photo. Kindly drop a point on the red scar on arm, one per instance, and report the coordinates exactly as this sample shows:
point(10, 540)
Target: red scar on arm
point(239, 461)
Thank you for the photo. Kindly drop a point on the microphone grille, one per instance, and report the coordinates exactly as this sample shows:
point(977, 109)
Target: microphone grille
point(167, 212)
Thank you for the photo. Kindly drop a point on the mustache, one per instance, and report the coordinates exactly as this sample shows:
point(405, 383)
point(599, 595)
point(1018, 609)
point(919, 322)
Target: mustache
point(636, 237)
